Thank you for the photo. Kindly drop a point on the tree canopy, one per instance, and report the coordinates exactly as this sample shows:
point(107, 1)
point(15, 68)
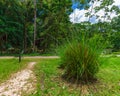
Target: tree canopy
point(52, 24)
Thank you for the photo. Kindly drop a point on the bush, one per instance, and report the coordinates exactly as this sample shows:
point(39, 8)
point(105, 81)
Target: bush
point(80, 62)
point(81, 59)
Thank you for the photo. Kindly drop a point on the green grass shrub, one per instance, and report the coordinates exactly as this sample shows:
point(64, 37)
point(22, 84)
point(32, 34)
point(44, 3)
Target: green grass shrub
point(80, 58)
point(80, 62)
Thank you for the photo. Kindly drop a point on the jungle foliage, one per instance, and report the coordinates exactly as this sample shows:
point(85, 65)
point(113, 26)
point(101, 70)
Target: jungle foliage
point(53, 26)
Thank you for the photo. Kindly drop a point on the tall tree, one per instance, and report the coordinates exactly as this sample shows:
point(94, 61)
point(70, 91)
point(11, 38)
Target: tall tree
point(35, 7)
point(53, 22)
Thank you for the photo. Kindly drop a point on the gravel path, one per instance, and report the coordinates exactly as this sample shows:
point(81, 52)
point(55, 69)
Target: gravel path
point(43, 57)
point(20, 83)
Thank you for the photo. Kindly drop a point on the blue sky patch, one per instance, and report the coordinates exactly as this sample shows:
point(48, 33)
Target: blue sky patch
point(78, 5)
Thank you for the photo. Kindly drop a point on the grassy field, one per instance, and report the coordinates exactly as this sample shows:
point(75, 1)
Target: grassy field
point(109, 77)
point(50, 82)
point(9, 66)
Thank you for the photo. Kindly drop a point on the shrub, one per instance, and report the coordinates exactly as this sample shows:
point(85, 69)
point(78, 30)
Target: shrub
point(81, 59)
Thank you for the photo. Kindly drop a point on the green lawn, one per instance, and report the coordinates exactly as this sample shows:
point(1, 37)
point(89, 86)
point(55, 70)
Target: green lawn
point(109, 77)
point(49, 80)
point(9, 66)
point(51, 84)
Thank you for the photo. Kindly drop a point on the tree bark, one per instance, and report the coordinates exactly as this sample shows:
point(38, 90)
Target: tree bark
point(25, 38)
point(34, 47)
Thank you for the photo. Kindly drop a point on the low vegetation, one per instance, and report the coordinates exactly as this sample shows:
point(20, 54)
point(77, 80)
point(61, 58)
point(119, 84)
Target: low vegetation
point(9, 66)
point(81, 63)
point(51, 83)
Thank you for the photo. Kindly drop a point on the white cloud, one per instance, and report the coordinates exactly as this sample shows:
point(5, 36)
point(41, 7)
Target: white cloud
point(78, 16)
point(116, 2)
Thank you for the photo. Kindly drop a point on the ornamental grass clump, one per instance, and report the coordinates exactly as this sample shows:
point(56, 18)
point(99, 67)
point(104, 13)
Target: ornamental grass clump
point(80, 59)
point(80, 62)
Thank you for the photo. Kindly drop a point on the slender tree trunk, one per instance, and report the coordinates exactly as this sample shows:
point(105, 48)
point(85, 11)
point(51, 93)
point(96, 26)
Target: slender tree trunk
point(6, 36)
point(25, 38)
point(0, 46)
point(34, 47)
point(6, 39)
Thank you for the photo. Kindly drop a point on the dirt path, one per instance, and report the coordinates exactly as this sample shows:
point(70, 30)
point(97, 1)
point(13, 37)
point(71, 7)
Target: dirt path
point(20, 83)
point(43, 57)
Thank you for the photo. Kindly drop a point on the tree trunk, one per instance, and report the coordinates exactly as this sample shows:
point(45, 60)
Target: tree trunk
point(25, 38)
point(34, 47)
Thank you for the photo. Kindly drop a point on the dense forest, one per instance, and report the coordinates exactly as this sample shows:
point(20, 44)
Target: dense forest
point(42, 25)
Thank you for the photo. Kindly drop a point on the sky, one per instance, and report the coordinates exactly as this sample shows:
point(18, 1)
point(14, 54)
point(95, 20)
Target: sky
point(78, 14)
